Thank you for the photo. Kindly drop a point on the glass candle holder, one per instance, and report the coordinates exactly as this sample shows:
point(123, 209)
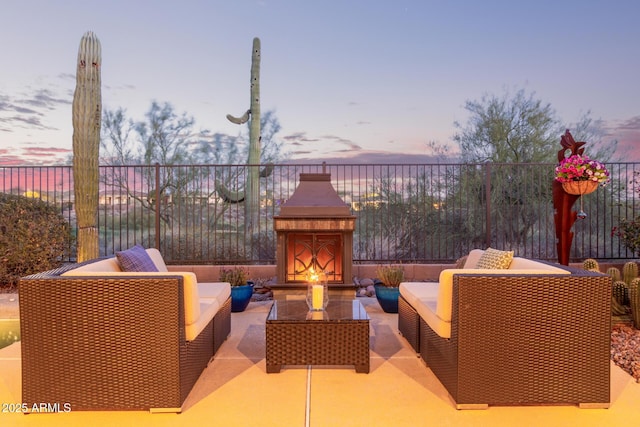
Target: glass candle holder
point(317, 291)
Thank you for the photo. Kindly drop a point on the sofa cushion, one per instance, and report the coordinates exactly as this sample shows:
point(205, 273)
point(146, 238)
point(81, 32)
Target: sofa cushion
point(219, 291)
point(157, 259)
point(473, 257)
point(529, 264)
point(493, 258)
point(134, 259)
point(208, 309)
point(414, 291)
point(107, 265)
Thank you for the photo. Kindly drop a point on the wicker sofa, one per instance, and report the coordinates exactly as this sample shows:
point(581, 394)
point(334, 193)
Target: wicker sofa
point(535, 333)
point(97, 338)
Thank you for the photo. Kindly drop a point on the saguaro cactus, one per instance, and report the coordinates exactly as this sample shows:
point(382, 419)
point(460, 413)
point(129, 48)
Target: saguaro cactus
point(87, 116)
point(250, 195)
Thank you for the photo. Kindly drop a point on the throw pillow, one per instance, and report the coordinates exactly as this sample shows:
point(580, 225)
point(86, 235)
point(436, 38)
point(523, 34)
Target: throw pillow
point(495, 259)
point(136, 259)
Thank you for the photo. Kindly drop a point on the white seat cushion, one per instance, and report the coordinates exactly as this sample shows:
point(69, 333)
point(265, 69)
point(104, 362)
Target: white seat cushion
point(423, 297)
point(414, 291)
point(220, 291)
point(208, 309)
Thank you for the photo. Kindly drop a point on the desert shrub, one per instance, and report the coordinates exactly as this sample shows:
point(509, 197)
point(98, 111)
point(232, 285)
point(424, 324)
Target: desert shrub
point(34, 237)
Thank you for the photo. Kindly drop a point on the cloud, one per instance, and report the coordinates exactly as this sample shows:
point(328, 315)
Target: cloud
point(298, 138)
point(12, 161)
point(351, 146)
point(28, 109)
point(627, 133)
point(45, 151)
point(371, 157)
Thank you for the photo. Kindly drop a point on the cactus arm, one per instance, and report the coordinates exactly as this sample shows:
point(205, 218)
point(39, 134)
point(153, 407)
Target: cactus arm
point(239, 120)
point(229, 196)
point(267, 170)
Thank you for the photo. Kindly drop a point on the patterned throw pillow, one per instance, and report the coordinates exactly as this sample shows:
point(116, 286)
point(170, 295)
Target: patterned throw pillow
point(136, 259)
point(495, 259)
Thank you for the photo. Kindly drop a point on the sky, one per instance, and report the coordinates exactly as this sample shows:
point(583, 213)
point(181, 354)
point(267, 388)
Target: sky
point(357, 81)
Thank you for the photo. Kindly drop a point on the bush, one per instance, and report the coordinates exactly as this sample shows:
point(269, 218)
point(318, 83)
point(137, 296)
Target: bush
point(629, 233)
point(34, 237)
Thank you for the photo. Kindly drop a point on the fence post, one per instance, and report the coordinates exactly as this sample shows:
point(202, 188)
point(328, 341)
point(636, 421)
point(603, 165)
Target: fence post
point(157, 225)
point(487, 194)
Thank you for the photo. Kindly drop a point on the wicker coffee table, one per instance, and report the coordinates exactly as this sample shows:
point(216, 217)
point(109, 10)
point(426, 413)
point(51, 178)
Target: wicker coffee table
point(337, 336)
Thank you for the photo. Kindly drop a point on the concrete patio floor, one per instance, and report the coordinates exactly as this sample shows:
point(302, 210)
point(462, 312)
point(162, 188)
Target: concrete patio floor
point(400, 390)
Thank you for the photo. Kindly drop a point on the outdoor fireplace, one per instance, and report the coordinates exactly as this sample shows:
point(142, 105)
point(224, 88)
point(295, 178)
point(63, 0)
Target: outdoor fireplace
point(314, 231)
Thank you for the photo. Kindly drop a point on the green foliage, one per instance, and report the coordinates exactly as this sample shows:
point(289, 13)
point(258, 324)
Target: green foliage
point(34, 237)
point(509, 129)
point(236, 276)
point(629, 233)
point(390, 275)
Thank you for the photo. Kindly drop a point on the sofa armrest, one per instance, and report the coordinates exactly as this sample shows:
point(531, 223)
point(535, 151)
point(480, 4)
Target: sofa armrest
point(189, 282)
point(563, 315)
point(445, 286)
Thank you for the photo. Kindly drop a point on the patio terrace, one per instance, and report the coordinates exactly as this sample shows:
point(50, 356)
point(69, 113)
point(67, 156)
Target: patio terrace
point(400, 390)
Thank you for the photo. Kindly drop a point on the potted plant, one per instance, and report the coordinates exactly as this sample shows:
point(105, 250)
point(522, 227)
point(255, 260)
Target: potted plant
point(581, 175)
point(386, 287)
point(241, 288)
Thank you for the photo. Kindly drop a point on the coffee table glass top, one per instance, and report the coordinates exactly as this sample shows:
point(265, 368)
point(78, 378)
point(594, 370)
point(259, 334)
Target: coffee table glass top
point(298, 310)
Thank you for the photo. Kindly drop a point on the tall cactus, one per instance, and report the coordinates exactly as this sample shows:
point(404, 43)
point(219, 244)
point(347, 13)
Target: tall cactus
point(250, 195)
point(614, 273)
point(629, 272)
point(634, 299)
point(87, 116)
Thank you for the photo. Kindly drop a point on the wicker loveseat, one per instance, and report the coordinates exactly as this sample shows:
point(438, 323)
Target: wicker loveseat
point(526, 335)
point(96, 338)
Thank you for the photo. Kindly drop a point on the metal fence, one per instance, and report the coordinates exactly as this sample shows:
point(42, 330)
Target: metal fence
point(425, 213)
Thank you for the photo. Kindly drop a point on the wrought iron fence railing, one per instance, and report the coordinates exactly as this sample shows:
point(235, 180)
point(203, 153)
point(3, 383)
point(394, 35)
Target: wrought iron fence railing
point(404, 212)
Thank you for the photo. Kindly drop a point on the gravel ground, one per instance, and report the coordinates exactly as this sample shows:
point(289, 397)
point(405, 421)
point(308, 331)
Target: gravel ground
point(625, 349)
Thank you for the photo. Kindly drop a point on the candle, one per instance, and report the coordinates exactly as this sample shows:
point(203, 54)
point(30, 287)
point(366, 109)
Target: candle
point(317, 297)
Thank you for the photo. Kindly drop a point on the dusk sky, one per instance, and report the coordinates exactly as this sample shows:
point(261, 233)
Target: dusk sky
point(371, 81)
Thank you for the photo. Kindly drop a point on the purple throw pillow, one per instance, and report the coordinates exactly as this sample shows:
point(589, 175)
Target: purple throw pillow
point(136, 259)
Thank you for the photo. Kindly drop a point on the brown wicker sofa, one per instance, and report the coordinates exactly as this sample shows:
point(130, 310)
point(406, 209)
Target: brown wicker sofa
point(94, 338)
point(519, 336)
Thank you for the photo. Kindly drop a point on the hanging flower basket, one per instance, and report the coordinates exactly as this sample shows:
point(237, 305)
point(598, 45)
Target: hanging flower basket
point(580, 188)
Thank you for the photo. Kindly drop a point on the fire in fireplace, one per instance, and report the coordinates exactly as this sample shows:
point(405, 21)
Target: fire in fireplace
point(314, 231)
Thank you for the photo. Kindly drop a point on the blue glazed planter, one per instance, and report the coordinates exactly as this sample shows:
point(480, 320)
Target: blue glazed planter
point(387, 298)
point(240, 297)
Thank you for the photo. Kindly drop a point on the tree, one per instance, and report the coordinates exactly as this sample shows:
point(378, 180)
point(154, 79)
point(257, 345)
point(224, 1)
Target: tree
point(171, 140)
point(508, 129)
point(518, 129)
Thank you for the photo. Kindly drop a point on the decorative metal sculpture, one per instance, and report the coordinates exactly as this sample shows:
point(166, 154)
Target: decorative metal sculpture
point(562, 202)
point(87, 117)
